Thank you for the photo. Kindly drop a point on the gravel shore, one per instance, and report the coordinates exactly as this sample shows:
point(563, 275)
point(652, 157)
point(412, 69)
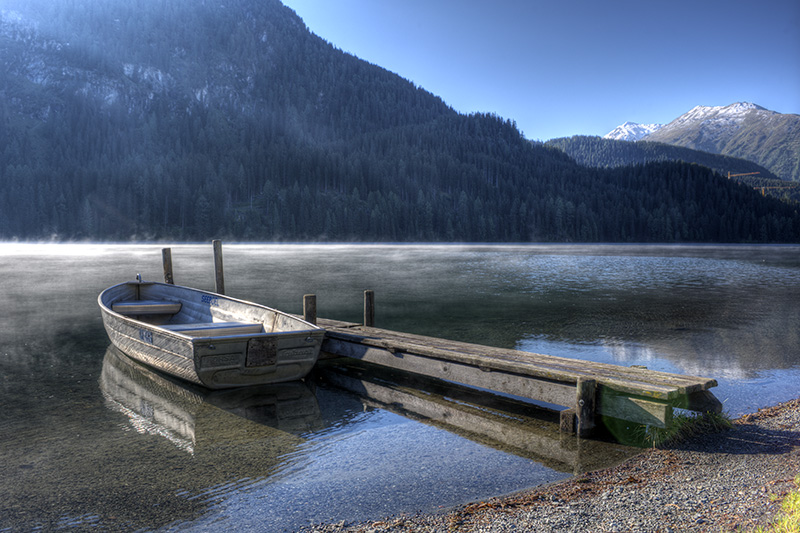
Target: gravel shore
point(734, 479)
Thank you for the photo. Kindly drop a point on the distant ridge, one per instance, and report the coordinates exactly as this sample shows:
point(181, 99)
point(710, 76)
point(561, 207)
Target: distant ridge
point(601, 152)
point(742, 129)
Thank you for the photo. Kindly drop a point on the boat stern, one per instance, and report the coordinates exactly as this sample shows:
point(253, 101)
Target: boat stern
point(235, 361)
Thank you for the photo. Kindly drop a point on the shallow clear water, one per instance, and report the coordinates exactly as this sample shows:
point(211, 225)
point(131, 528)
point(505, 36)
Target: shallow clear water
point(89, 441)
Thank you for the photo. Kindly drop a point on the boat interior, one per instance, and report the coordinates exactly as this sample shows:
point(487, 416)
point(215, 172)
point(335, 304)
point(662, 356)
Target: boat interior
point(187, 318)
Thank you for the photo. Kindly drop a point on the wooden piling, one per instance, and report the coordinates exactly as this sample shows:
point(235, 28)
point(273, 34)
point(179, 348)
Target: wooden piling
point(369, 308)
point(585, 406)
point(166, 258)
point(220, 276)
point(310, 308)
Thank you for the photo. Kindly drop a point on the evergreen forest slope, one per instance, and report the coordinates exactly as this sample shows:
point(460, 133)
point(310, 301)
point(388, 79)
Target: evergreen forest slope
point(186, 120)
point(603, 152)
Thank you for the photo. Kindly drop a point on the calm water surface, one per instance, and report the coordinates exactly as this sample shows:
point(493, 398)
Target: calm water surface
point(90, 441)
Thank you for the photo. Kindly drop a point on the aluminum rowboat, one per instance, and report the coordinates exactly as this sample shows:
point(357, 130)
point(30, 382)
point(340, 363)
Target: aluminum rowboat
point(206, 338)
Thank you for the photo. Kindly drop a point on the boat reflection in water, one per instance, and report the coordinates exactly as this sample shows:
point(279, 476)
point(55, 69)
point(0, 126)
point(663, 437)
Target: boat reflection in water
point(192, 417)
point(189, 416)
point(506, 424)
point(213, 448)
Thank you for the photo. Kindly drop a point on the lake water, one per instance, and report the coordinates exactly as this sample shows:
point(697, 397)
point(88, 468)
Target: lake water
point(90, 441)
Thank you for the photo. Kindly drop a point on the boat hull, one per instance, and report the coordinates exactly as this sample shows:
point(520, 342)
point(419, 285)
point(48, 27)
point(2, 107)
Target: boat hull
point(212, 340)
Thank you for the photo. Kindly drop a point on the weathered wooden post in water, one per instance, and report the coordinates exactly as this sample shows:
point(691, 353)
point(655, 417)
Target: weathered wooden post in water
point(310, 308)
point(369, 308)
point(220, 276)
point(586, 391)
point(166, 258)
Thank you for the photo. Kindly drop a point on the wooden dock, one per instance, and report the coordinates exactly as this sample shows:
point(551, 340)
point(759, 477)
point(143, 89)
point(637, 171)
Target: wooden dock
point(588, 391)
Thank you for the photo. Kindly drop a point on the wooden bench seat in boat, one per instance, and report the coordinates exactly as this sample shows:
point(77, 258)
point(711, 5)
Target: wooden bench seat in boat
point(215, 329)
point(146, 307)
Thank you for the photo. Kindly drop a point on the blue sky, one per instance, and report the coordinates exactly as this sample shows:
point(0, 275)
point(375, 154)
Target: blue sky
point(569, 67)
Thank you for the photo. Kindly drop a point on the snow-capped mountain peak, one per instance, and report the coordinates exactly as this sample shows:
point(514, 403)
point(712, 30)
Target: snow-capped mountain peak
point(711, 117)
point(725, 115)
point(631, 131)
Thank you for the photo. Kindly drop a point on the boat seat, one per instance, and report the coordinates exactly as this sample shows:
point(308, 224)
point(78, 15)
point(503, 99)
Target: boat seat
point(146, 307)
point(215, 329)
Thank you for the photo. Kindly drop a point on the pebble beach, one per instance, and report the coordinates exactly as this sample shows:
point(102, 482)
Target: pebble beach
point(731, 480)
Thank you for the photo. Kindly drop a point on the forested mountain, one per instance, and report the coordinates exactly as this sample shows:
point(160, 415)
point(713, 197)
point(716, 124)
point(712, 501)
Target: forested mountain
point(191, 119)
point(605, 152)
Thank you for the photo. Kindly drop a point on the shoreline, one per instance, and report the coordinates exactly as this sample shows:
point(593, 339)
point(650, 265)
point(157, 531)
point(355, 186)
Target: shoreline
point(724, 481)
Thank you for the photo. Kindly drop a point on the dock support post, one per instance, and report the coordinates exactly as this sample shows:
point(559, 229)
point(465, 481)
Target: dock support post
point(166, 259)
point(580, 419)
point(220, 276)
point(369, 308)
point(585, 406)
point(310, 308)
